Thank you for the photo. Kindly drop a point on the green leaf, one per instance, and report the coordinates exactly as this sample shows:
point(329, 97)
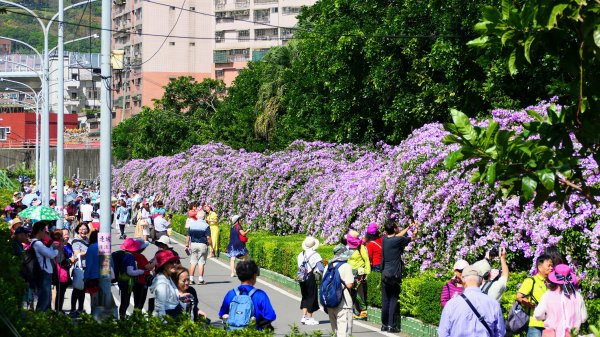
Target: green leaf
point(527, 47)
point(451, 139)
point(463, 124)
point(452, 159)
point(547, 178)
point(597, 36)
point(528, 187)
point(512, 62)
point(507, 6)
point(475, 177)
point(509, 34)
point(556, 11)
point(491, 174)
point(479, 42)
point(533, 114)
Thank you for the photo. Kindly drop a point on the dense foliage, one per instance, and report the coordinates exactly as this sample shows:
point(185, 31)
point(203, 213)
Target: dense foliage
point(324, 189)
point(548, 158)
point(79, 22)
point(180, 119)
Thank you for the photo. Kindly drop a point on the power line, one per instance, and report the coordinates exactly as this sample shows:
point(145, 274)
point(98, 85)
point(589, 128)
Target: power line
point(316, 34)
point(165, 40)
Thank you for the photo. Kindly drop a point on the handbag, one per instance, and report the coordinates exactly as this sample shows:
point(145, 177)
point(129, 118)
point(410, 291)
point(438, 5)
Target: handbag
point(78, 275)
point(243, 238)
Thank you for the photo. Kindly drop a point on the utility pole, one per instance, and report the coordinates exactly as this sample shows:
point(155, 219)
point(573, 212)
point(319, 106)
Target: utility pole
point(60, 117)
point(106, 304)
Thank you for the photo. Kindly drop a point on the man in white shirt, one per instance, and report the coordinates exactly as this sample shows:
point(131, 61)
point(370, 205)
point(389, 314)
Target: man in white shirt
point(86, 210)
point(44, 256)
point(161, 224)
point(494, 281)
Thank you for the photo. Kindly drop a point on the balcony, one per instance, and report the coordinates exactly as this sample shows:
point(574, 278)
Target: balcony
point(261, 2)
point(242, 4)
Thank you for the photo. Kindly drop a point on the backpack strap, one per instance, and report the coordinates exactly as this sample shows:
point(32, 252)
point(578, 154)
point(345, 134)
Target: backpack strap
point(486, 287)
point(479, 317)
point(251, 292)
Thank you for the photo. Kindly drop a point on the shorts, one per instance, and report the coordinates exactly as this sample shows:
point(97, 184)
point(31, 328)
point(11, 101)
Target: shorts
point(199, 253)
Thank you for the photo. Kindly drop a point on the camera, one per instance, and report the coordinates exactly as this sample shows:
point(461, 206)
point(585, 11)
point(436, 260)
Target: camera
point(494, 252)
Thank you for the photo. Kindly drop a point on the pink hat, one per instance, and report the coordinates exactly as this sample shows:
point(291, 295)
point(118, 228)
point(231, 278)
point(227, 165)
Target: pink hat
point(562, 274)
point(372, 229)
point(131, 245)
point(352, 239)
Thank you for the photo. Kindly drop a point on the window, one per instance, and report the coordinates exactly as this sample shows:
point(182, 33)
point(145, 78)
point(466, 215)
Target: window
point(75, 77)
point(243, 35)
point(172, 8)
point(171, 43)
point(172, 79)
point(73, 95)
point(266, 34)
point(192, 44)
point(192, 8)
point(290, 10)
point(219, 36)
point(4, 133)
point(219, 73)
point(274, 9)
point(262, 15)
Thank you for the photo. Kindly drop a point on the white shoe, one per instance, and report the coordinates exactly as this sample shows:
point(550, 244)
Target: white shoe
point(303, 320)
point(311, 321)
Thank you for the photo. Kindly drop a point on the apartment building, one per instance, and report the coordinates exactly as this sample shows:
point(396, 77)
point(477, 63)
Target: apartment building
point(161, 40)
point(246, 29)
point(81, 88)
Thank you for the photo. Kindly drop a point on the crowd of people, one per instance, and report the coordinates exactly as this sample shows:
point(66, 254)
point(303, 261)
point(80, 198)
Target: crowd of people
point(67, 254)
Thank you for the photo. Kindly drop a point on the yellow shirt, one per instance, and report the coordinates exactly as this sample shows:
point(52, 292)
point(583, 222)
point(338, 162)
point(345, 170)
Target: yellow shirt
point(211, 218)
point(539, 288)
point(360, 261)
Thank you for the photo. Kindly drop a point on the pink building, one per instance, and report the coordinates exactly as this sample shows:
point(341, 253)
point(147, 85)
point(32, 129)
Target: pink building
point(152, 60)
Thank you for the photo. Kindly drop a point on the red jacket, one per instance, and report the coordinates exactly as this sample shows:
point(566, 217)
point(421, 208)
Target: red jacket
point(374, 250)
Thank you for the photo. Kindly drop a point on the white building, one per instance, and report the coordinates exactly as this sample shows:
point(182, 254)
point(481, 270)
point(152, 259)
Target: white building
point(246, 29)
point(81, 88)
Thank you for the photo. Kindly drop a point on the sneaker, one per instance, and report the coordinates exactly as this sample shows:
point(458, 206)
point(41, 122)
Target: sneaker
point(311, 321)
point(192, 281)
point(393, 329)
point(303, 320)
point(201, 282)
point(385, 328)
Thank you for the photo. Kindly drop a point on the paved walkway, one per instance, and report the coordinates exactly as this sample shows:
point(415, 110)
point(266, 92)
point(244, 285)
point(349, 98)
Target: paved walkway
point(211, 295)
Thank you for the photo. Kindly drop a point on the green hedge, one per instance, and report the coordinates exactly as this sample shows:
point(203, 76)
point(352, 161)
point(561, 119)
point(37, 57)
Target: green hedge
point(420, 296)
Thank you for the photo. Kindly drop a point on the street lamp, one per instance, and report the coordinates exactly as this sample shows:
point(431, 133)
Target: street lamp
point(37, 124)
point(45, 120)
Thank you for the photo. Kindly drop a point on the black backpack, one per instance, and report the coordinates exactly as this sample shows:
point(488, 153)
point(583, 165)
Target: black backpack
point(30, 267)
point(117, 258)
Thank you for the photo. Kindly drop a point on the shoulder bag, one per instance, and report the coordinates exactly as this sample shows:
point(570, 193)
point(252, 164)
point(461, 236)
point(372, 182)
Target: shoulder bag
point(479, 317)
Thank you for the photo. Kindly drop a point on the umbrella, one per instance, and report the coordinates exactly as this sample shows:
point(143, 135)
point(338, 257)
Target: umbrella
point(39, 213)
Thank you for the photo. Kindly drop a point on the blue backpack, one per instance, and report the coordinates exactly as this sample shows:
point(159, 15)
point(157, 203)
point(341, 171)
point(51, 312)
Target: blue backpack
point(241, 310)
point(331, 292)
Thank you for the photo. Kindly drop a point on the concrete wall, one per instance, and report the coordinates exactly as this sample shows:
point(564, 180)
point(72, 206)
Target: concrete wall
point(86, 160)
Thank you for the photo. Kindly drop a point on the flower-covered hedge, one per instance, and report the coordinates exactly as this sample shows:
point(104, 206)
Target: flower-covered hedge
point(324, 189)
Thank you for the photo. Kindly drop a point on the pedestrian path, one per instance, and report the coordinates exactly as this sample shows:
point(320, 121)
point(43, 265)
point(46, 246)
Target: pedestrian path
point(218, 282)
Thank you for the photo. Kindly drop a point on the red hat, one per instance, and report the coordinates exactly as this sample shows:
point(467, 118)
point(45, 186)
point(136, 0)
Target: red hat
point(165, 256)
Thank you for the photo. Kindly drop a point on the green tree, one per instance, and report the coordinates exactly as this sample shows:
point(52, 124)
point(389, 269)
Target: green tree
point(180, 119)
point(542, 162)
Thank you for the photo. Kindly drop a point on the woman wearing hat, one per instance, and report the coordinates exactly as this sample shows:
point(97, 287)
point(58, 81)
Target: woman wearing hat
point(561, 308)
point(311, 261)
point(236, 248)
point(361, 268)
point(455, 286)
point(129, 272)
point(373, 239)
point(166, 299)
